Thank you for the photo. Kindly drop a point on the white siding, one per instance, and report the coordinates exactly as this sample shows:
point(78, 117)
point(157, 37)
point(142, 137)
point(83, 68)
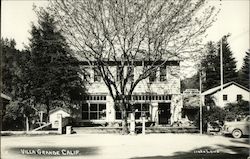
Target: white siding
point(170, 86)
point(231, 92)
point(53, 117)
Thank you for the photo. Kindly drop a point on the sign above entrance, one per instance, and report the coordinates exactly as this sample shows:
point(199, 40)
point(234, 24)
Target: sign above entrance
point(191, 92)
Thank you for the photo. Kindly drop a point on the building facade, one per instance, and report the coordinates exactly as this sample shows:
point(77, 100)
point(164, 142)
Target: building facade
point(232, 92)
point(157, 96)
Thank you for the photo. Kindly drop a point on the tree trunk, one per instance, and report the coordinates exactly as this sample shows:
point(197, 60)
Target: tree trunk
point(125, 130)
point(48, 109)
point(27, 124)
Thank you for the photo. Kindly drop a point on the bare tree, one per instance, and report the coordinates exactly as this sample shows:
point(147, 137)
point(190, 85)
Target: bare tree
point(125, 31)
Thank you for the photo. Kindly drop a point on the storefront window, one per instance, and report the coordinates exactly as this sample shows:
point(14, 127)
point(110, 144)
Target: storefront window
point(93, 111)
point(141, 109)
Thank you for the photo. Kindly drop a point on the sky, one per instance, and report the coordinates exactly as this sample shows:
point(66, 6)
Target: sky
point(18, 15)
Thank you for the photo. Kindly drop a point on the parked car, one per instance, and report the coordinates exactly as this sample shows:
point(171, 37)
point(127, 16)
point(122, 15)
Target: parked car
point(214, 127)
point(237, 128)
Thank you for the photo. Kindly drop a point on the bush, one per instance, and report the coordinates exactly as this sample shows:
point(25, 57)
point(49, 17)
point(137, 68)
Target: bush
point(14, 118)
point(231, 112)
point(210, 115)
point(234, 110)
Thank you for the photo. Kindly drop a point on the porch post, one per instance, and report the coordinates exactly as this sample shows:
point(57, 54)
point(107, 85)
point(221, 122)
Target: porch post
point(59, 118)
point(143, 125)
point(132, 123)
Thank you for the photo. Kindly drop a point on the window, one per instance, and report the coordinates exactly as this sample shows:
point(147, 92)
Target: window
point(86, 74)
point(225, 97)
point(141, 109)
point(119, 73)
point(152, 76)
point(93, 111)
point(118, 112)
point(163, 73)
point(130, 70)
point(85, 111)
point(239, 97)
point(97, 75)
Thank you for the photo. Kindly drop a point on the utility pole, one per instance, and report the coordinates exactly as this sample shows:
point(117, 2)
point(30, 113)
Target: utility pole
point(200, 101)
point(221, 71)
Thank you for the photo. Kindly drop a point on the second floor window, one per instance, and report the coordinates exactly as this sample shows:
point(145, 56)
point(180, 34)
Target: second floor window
point(119, 73)
point(131, 73)
point(152, 76)
point(97, 75)
point(163, 73)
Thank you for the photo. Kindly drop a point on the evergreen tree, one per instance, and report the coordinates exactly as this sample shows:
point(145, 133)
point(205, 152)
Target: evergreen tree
point(211, 64)
point(10, 65)
point(244, 71)
point(190, 83)
point(229, 62)
point(209, 67)
point(14, 65)
point(54, 72)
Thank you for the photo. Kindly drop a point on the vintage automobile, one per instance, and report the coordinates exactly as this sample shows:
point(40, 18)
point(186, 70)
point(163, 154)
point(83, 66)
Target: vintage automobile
point(237, 128)
point(214, 127)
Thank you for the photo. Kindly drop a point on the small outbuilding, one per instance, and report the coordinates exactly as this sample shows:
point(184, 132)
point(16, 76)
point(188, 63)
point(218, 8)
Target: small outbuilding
point(232, 92)
point(53, 116)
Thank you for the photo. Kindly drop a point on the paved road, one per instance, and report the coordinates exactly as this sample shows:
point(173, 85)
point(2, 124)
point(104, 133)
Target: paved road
point(114, 146)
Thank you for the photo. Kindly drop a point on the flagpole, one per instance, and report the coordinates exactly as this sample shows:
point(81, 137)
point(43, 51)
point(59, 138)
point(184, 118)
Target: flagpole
point(221, 65)
point(200, 102)
point(221, 71)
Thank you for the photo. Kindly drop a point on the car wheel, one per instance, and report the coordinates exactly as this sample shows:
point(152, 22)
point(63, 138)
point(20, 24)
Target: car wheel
point(237, 133)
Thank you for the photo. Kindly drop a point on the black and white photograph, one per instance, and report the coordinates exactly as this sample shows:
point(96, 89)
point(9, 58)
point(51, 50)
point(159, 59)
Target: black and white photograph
point(125, 79)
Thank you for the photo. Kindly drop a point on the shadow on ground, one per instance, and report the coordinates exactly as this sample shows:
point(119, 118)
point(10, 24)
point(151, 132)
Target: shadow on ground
point(206, 153)
point(244, 140)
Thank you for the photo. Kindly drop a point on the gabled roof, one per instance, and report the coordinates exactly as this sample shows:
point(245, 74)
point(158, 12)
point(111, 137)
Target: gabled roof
point(216, 89)
point(4, 96)
point(57, 109)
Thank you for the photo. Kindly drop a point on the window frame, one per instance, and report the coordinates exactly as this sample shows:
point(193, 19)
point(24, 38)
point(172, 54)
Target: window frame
point(152, 77)
point(239, 97)
point(98, 112)
point(132, 74)
point(163, 73)
point(97, 75)
point(119, 73)
point(142, 110)
point(225, 97)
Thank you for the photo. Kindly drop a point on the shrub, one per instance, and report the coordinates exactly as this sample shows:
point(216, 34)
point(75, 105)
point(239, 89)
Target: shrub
point(234, 110)
point(215, 113)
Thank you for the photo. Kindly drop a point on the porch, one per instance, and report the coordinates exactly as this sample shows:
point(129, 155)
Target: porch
point(149, 130)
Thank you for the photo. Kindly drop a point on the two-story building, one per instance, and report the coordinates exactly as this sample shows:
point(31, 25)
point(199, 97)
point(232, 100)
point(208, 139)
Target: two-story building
point(158, 96)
